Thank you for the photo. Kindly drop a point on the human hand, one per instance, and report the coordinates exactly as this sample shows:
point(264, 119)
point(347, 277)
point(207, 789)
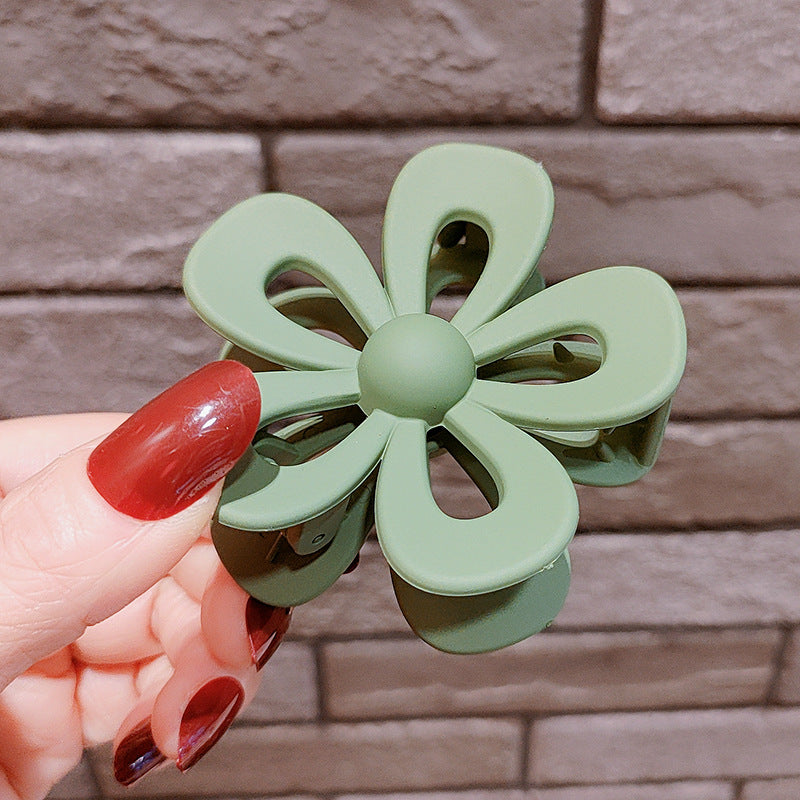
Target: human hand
point(117, 617)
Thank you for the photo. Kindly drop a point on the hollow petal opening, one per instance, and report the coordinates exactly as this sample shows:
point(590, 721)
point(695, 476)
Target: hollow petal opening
point(505, 194)
point(460, 484)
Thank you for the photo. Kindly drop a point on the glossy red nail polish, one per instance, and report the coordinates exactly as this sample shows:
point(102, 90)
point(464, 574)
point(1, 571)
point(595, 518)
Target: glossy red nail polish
point(207, 716)
point(136, 755)
point(266, 626)
point(174, 449)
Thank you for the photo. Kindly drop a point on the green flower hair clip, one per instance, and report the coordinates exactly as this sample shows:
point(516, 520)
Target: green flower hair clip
point(523, 404)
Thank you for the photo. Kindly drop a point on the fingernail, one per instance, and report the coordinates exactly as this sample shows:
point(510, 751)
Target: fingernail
point(208, 715)
point(136, 755)
point(174, 449)
point(266, 626)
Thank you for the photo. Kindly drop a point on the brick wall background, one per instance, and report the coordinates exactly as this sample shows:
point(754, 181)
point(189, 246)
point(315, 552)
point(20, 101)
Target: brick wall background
point(670, 130)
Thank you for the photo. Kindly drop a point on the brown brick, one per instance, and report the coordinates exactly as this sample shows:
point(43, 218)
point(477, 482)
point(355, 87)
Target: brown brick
point(684, 61)
point(301, 62)
point(683, 790)
point(488, 794)
point(788, 690)
point(656, 746)
point(713, 205)
point(390, 756)
point(79, 784)
point(618, 580)
point(742, 357)
point(550, 673)
point(288, 688)
point(776, 789)
point(111, 353)
point(98, 210)
point(705, 790)
point(683, 579)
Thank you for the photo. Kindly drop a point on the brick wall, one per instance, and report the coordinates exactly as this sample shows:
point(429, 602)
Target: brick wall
point(670, 131)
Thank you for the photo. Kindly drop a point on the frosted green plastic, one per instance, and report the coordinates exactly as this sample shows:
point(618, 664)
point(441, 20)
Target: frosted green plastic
point(529, 388)
point(479, 623)
point(267, 567)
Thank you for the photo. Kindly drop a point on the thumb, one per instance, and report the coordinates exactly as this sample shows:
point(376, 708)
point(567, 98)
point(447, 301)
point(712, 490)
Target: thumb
point(99, 526)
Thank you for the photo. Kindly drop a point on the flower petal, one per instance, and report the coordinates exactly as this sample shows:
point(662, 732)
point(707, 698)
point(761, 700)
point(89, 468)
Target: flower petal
point(286, 393)
point(635, 317)
point(534, 521)
point(484, 622)
point(508, 195)
point(230, 266)
point(298, 493)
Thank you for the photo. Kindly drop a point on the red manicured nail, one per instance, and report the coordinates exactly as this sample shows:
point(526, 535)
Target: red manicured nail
point(136, 755)
point(208, 715)
point(266, 626)
point(174, 449)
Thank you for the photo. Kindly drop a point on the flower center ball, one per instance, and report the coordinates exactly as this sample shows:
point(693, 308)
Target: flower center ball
point(416, 365)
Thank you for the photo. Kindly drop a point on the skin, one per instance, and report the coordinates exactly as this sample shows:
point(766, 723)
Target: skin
point(106, 620)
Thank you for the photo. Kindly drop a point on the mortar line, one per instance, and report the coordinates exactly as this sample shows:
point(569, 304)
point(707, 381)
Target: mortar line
point(778, 667)
point(527, 739)
point(515, 124)
point(323, 706)
point(696, 529)
point(268, 163)
point(167, 289)
point(593, 22)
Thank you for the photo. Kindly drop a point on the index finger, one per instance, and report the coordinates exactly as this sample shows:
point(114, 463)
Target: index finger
point(28, 444)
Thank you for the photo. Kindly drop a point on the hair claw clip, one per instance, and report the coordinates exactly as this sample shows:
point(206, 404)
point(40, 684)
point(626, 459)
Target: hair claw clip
point(528, 388)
